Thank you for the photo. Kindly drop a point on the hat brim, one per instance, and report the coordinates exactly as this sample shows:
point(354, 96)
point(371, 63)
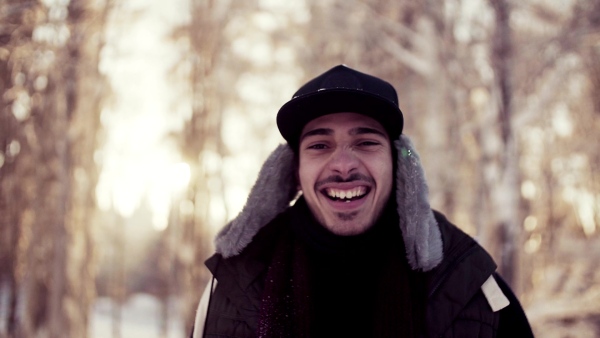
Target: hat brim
point(296, 113)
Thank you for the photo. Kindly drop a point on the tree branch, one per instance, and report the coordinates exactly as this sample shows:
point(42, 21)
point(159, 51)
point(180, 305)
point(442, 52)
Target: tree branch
point(408, 58)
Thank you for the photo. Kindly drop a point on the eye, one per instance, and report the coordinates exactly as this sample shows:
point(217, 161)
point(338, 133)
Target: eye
point(368, 143)
point(318, 146)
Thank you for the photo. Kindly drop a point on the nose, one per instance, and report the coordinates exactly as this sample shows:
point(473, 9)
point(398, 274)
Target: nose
point(343, 161)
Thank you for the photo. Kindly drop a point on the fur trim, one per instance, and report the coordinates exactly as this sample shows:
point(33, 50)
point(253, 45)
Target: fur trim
point(276, 187)
point(272, 193)
point(422, 237)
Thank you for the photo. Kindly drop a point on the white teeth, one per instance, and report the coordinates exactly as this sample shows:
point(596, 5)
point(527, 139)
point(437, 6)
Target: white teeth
point(346, 194)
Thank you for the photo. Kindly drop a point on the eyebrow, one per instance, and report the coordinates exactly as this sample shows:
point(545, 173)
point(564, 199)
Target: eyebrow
point(366, 130)
point(319, 131)
point(353, 132)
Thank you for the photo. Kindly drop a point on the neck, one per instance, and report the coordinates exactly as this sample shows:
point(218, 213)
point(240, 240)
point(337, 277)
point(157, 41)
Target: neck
point(319, 238)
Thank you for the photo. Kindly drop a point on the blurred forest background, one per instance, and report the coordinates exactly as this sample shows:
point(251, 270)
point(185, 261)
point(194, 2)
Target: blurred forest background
point(131, 131)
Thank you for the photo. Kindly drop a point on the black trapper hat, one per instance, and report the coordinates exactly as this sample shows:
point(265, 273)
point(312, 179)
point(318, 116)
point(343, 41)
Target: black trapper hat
point(341, 89)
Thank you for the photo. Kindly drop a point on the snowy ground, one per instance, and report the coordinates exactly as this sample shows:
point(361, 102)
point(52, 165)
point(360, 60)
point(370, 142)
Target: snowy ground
point(141, 317)
point(3, 308)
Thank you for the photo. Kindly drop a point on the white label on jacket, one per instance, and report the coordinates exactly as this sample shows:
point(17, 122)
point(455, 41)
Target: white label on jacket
point(494, 294)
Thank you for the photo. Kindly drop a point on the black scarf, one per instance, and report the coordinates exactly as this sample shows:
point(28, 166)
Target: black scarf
point(320, 284)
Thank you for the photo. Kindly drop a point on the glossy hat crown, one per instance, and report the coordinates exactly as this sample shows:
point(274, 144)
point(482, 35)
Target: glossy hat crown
point(340, 89)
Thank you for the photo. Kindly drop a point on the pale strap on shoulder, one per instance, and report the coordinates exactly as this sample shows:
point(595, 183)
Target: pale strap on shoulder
point(494, 294)
point(202, 311)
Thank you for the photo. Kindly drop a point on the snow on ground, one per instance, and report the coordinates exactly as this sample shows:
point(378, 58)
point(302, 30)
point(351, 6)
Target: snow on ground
point(3, 308)
point(140, 317)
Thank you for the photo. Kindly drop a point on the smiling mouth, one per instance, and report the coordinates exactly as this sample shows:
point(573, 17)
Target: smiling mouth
point(346, 195)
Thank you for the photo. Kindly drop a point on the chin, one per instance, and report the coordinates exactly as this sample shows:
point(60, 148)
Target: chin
point(347, 229)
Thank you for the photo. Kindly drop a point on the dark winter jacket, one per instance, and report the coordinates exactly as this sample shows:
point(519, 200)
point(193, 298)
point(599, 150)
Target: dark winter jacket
point(456, 305)
point(464, 297)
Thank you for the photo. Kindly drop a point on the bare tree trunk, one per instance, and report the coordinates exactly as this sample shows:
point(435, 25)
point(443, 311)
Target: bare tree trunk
point(51, 175)
point(503, 235)
point(437, 157)
point(201, 137)
point(10, 199)
point(15, 157)
point(117, 275)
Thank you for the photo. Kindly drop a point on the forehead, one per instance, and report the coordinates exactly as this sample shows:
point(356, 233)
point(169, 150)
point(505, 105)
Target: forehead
point(343, 122)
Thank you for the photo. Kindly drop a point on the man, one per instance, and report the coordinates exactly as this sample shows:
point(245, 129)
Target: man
point(360, 253)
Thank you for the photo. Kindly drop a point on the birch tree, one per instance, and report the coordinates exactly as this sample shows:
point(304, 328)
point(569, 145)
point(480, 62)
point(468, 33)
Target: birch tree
point(201, 145)
point(51, 112)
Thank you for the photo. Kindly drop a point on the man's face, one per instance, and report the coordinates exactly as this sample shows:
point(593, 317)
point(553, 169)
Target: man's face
point(345, 171)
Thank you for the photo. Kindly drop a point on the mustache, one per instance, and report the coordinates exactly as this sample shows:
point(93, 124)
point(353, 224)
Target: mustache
point(340, 179)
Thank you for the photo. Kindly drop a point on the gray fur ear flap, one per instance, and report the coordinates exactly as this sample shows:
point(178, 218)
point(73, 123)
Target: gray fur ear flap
point(272, 193)
point(422, 237)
